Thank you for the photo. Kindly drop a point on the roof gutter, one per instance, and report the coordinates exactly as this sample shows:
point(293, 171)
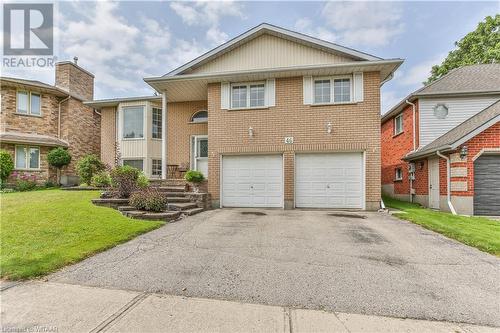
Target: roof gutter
point(413, 106)
point(448, 182)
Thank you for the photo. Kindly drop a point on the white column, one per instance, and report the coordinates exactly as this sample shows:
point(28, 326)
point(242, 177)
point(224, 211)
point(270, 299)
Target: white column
point(164, 135)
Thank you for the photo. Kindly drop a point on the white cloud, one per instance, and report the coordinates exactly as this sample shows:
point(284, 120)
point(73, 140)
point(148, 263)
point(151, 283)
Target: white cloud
point(419, 73)
point(388, 100)
point(305, 26)
point(365, 23)
point(208, 14)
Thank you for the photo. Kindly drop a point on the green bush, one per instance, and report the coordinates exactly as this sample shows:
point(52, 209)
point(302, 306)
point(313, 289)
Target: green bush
point(124, 180)
point(49, 184)
point(142, 180)
point(58, 158)
point(6, 166)
point(149, 199)
point(101, 179)
point(88, 166)
point(23, 185)
point(194, 176)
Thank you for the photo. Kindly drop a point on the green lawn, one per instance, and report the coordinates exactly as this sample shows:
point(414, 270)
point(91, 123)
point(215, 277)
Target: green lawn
point(479, 232)
point(44, 230)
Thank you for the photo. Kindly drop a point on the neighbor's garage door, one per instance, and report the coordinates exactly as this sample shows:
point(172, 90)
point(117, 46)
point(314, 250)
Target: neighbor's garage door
point(252, 181)
point(487, 185)
point(329, 180)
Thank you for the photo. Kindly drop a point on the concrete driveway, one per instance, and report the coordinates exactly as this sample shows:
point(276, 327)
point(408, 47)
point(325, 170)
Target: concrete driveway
point(367, 263)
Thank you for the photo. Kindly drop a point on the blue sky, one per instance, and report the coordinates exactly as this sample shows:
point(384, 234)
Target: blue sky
point(122, 42)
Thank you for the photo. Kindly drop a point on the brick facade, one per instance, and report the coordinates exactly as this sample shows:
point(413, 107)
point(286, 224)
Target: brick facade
point(355, 128)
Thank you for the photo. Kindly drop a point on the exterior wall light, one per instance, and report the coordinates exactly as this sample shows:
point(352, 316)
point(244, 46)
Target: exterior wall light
point(329, 128)
point(250, 131)
point(463, 152)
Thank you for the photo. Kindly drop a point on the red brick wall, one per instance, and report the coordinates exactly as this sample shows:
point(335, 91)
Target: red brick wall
point(421, 182)
point(394, 148)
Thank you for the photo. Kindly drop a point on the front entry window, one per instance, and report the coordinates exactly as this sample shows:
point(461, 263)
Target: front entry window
point(203, 148)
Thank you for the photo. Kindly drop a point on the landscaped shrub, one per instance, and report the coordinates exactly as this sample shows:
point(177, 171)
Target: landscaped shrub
point(101, 179)
point(194, 176)
point(142, 180)
point(58, 158)
point(88, 166)
point(149, 199)
point(6, 166)
point(25, 182)
point(124, 180)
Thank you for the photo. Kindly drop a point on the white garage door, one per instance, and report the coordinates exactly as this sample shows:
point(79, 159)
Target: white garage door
point(329, 180)
point(252, 181)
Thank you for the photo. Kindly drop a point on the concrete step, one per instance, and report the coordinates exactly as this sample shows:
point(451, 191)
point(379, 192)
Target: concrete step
point(181, 206)
point(175, 194)
point(192, 211)
point(162, 216)
point(125, 208)
point(171, 188)
point(177, 199)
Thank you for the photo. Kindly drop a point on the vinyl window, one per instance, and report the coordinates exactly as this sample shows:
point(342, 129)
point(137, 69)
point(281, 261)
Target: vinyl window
point(333, 90)
point(200, 117)
point(156, 168)
point(27, 157)
point(138, 164)
point(248, 95)
point(398, 174)
point(398, 124)
point(29, 103)
point(133, 122)
point(157, 123)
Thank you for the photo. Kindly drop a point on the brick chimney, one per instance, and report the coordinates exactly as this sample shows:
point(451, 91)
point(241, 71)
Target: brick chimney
point(75, 80)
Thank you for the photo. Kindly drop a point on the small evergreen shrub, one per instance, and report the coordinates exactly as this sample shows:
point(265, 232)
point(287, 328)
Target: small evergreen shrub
point(58, 158)
point(88, 166)
point(142, 180)
point(194, 176)
point(6, 166)
point(26, 182)
point(149, 199)
point(101, 179)
point(124, 180)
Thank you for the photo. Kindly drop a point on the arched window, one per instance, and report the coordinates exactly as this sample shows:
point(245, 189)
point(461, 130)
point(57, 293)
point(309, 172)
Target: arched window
point(200, 117)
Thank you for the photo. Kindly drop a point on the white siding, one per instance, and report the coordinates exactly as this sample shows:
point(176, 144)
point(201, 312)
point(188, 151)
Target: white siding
point(459, 110)
point(269, 51)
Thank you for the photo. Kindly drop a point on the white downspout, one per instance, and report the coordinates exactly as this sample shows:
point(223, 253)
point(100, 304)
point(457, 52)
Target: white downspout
point(448, 182)
point(164, 135)
point(59, 116)
point(414, 141)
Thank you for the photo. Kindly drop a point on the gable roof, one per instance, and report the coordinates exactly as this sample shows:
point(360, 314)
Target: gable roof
point(462, 133)
point(273, 30)
point(466, 80)
point(23, 83)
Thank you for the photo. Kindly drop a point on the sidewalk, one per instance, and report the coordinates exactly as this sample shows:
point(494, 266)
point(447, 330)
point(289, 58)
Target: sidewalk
point(55, 307)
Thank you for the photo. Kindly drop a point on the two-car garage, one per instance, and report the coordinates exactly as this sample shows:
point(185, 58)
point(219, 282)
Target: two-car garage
point(321, 180)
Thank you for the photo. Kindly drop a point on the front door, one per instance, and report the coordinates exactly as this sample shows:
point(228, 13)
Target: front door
point(200, 154)
point(434, 183)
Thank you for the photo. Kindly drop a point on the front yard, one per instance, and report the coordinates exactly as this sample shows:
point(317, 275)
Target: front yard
point(44, 230)
point(478, 232)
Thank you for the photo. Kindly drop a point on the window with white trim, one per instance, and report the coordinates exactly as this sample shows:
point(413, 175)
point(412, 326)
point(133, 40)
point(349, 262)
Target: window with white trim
point(29, 103)
point(27, 157)
point(251, 95)
point(333, 90)
point(157, 123)
point(133, 122)
point(138, 164)
point(200, 117)
point(156, 168)
point(398, 124)
point(398, 174)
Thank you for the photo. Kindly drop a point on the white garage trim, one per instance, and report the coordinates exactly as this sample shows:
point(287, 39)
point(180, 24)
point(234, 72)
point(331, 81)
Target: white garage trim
point(223, 200)
point(362, 154)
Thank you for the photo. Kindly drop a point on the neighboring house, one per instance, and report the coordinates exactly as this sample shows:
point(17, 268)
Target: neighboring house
point(36, 117)
point(273, 118)
point(441, 145)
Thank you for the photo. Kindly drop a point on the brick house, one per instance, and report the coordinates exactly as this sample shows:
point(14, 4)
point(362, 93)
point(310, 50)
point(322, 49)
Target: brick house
point(273, 118)
point(446, 135)
point(36, 117)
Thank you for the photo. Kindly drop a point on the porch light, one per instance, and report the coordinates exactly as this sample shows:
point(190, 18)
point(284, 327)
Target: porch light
point(463, 152)
point(250, 131)
point(329, 128)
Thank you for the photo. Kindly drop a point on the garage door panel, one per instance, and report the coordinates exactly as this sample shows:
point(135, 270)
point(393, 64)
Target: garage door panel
point(333, 180)
point(487, 185)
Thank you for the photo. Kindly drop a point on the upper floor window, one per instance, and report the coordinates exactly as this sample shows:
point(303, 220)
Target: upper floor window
point(200, 117)
point(28, 103)
point(157, 124)
point(133, 122)
point(440, 111)
point(333, 90)
point(27, 157)
point(247, 95)
point(398, 124)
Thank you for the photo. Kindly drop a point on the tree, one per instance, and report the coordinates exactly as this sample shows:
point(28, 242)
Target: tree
point(88, 166)
point(6, 166)
point(58, 158)
point(481, 46)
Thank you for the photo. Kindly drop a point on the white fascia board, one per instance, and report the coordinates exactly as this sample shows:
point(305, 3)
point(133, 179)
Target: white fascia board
point(475, 132)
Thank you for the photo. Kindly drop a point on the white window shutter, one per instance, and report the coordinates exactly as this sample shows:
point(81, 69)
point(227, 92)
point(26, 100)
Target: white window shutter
point(308, 89)
point(225, 92)
point(358, 87)
point(270, 94)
